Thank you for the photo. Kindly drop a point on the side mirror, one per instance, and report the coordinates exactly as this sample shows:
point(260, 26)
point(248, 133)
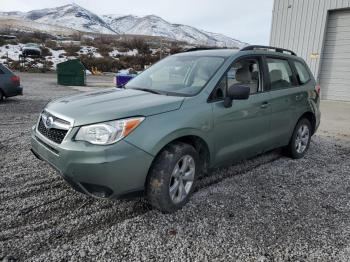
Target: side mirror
point(236, 92)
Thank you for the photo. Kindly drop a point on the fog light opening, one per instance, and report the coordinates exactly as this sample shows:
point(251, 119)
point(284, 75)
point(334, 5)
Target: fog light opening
point(98, 190)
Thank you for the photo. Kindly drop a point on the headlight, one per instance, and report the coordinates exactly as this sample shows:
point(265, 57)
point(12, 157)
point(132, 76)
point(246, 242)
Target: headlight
point(108, 132)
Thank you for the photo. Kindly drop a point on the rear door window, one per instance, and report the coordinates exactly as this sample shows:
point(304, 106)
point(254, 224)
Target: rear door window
point(280, 72)
point(303, 75)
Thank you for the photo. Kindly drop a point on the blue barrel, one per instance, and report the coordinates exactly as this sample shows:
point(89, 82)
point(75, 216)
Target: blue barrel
point(122, 79)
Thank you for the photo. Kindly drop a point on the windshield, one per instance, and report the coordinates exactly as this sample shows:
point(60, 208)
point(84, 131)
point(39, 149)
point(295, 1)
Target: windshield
point(31, 45)
point(177, 75)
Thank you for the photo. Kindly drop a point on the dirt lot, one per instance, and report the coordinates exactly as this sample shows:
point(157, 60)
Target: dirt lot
point(270, 208)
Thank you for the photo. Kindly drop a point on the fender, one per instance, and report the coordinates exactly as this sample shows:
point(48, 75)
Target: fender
point(179, 134)
point(165, 129)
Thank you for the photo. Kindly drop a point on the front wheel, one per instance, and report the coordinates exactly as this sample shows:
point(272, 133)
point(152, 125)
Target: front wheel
point(300, 141)
point(172, 177)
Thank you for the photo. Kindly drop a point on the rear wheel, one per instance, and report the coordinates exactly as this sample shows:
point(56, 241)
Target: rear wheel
point(172, 177)
point(1, 96)
point(300, 141)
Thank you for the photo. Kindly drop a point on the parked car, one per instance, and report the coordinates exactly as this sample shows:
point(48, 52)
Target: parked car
point(184, 115)
point(31, 49)
point(10, 84)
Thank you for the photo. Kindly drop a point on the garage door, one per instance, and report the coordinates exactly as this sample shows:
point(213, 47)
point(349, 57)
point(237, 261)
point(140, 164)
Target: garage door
point(335, 65)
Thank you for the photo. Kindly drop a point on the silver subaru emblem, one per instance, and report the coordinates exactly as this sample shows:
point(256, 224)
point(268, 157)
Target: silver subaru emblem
point(48, 122)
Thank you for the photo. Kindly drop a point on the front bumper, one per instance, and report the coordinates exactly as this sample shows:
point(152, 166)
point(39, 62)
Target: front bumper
point(99, 171)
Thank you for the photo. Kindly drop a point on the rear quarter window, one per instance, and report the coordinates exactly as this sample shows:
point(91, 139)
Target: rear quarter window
point(302, 72)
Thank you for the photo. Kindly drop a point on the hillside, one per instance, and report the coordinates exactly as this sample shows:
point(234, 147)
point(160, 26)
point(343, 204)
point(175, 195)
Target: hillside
point(75, 17)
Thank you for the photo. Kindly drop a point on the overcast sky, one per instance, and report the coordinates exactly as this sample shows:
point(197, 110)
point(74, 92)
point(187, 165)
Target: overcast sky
point(245, 20)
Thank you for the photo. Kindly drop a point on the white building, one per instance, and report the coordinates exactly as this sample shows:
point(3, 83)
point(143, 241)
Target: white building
point(318, 31)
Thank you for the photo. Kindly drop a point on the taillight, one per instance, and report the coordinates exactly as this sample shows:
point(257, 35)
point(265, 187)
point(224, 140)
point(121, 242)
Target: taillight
point(318, 89)
point(15, 80)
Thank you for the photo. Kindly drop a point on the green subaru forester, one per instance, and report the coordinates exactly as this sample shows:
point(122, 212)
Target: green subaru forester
point(172, 123)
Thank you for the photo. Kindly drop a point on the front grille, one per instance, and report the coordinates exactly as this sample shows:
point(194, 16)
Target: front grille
point(55, 135)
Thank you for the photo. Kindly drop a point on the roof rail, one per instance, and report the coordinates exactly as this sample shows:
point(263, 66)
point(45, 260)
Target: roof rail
point(203, 48)
point(262, 47)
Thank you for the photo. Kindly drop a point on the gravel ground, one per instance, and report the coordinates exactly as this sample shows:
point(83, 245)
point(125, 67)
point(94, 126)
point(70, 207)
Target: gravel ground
point(270, 208)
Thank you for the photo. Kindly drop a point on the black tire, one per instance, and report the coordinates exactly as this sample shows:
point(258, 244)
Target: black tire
point(160, 176)
point(292, 150)
point(1, 95)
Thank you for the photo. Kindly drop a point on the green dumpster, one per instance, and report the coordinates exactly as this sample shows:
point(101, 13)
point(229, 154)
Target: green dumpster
point(71, 73)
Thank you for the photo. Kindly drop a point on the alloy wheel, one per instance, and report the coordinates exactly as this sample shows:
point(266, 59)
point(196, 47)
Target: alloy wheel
point(302, 138)
point(182, 178)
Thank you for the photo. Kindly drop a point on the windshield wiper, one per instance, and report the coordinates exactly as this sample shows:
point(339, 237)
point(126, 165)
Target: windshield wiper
point(147, 90)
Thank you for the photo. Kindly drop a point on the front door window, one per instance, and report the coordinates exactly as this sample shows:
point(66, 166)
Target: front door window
point(244, 72)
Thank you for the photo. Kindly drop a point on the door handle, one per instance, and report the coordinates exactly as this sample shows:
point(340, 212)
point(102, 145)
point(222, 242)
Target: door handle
point(264, 105)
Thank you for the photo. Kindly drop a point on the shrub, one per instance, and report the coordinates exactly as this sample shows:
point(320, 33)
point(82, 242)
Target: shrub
point(47, 65)
point(104, 64)
point(12, 42)
point(104, 49)
point(42, 37)
point(138, 62)
point(99, 42)
point(104, 40)
point(88, 42)
point(123, 49)
point(45, 51)
point(28, 39)
point(161, 53)
point(141, 46)
point(15, 65)
point(77, 36)
point(174, 49)
point(71, 50)
point(57, 48)
point(51, 44)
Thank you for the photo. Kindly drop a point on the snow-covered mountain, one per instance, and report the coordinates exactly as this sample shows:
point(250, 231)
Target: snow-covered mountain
point(121, 23)
point(71, 16)
point(78, 18)
point(156, 26)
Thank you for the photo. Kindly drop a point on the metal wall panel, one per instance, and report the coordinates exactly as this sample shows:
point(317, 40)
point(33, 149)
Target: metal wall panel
point(300, 25)
point(335, 64)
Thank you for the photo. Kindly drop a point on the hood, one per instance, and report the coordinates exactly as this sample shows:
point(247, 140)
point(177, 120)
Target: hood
point(111, 104)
